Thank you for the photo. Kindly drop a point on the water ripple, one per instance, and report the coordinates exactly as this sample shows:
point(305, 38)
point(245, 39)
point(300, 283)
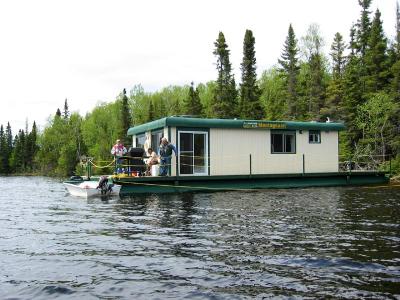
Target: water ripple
point(283, 244)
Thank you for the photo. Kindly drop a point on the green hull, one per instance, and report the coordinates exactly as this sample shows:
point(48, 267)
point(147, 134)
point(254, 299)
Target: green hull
point(144, 185)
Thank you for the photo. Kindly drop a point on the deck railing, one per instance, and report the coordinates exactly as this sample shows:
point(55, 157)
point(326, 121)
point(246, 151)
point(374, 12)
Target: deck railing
point(365, 163)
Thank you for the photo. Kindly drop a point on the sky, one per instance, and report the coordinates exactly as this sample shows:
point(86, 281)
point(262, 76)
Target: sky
point(88, 51)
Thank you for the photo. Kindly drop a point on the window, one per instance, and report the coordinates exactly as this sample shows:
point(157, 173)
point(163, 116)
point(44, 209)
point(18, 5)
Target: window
point(140, 140)
point(283, 141)
point(314, 137)
point(193, 153)
point(156, 139)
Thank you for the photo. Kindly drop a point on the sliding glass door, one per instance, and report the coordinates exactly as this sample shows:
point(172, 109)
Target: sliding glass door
point(193, 153)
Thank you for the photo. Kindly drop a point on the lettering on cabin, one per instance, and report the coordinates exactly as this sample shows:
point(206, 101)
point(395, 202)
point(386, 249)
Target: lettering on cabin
point(264, 125)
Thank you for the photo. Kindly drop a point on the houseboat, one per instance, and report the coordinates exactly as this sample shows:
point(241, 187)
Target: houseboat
point(232, 154)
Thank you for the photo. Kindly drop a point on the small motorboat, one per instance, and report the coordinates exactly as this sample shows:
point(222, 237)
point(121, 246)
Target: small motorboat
point(88, 188)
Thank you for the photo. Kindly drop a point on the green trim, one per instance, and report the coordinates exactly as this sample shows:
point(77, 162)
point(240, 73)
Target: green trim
point(231, 123)
point(245, 182)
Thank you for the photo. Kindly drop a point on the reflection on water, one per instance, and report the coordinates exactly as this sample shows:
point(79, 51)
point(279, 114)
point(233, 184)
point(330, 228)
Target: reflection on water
point(301, 243)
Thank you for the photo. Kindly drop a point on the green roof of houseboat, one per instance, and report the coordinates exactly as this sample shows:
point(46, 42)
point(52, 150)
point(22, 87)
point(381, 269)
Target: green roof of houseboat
point(232, 123)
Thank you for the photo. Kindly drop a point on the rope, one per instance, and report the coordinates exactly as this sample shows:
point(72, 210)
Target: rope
point(101, 167)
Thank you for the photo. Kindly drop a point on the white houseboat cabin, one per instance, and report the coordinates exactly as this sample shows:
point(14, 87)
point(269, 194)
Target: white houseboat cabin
point(215, 147)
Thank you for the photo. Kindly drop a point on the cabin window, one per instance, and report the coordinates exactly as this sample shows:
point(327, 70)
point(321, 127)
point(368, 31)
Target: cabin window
point(314, 137)
point(140, 140)
point(283, 142)
point(193, 153)
point(156, 139)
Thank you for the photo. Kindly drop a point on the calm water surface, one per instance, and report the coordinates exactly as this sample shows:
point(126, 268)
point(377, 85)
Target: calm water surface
point(287, 244)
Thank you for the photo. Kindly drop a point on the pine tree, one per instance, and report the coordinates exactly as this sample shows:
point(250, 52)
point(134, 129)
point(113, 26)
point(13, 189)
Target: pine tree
point(313, 43)
point(3, 150)
point(192, 105)
point(225, 104)
point(31, 147)
point(334, 91)
point(250, 105)
point(363, 27)
point(126, 119)
point(376, 59)
point(66, 112)
point(337, 55)
point(397, 44)
point(150, 116)
point(290, 68)
point(352, 98)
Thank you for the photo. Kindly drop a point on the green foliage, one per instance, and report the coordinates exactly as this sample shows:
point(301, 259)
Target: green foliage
point(376, 60)
point(192, 104)
point(290, 70)
point(274, 89)
point(125, 117)
point(249, 105)
point(373, 119)
point(362, 89)
point(225, 103)
point(363, 27)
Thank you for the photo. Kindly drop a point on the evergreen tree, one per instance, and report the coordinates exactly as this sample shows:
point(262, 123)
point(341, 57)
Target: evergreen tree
point(3, 150)
point(290, 68)
point(250, 105)
point(66, 112)
point(397, 44)
point(150, 116)
point(363, 27)
point(337, 55)
point(376, 60)
point(225, 104)
point(18, 155)
point(126, 119)
point(334, 91)
point(352, 98)
point(192, 105)
point(31, 147)
point(315, 89)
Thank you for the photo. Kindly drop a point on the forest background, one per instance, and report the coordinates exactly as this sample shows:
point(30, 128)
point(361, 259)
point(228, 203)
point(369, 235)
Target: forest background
point(357, 82)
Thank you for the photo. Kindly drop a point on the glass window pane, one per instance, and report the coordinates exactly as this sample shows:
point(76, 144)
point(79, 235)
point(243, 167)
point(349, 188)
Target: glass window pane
point(277, 142)
point(186, 162)
point(140, 140)
point(289, 143)
point(199, 153)
point(186, 141)
point(156, 139)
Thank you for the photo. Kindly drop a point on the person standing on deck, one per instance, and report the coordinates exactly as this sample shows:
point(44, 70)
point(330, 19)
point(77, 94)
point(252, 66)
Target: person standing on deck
point(165, 153)
point(118, 150)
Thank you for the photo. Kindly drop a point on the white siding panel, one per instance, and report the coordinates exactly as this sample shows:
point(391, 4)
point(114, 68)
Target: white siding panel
point(230, 151)
point(321, 157)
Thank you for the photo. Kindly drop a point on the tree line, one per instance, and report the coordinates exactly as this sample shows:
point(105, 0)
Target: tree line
point(357, 83)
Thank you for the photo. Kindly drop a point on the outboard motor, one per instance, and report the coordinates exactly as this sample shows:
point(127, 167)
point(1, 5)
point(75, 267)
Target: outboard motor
point(104, 186)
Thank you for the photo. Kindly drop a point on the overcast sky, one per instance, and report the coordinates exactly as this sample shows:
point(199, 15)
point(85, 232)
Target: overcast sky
point(88, 51)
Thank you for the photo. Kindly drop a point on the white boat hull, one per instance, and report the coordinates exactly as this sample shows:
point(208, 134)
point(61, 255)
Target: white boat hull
point(87, 189)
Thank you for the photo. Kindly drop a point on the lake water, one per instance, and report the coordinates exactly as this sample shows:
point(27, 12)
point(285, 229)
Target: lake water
point(287, 244)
